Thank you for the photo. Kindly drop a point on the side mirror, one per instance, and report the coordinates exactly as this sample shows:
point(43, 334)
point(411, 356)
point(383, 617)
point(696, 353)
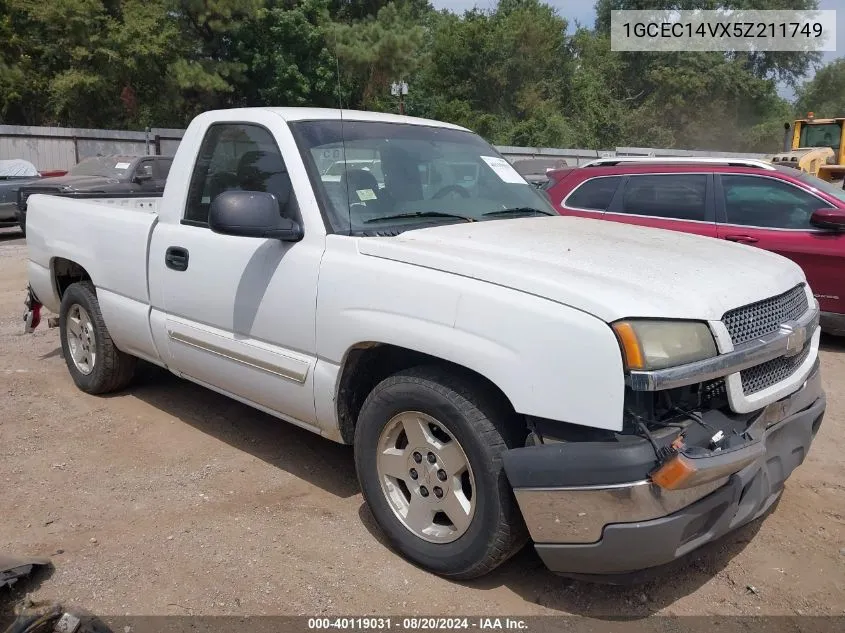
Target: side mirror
point(251, 214)
point(831, 219)
point(142, 178)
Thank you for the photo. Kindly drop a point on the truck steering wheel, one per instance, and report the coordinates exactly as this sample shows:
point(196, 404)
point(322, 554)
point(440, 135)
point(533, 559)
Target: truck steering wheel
point(457, 188)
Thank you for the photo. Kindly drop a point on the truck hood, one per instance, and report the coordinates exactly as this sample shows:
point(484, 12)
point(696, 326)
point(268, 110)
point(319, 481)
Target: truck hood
point(607, 269)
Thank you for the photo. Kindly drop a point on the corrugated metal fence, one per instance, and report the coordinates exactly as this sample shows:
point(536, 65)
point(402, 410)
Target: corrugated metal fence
point(61, 148)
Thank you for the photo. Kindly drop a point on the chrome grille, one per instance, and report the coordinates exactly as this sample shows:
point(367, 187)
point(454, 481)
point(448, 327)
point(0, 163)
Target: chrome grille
point(756, 319)
point(770, 373)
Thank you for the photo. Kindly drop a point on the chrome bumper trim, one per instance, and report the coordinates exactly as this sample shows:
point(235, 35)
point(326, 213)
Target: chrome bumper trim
point(788, 340)
point(578, 515)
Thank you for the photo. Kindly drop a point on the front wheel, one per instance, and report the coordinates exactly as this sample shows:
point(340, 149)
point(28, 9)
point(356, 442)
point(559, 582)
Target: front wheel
point(93, 360)
point(428, 452)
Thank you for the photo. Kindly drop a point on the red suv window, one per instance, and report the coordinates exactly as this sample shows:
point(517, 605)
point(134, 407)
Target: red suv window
point(594, 194)
point(767, 203)
point(679, 196)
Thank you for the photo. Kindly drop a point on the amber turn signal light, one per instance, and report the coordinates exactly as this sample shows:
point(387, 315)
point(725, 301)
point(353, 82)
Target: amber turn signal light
point(630, 345)
point(674, 473)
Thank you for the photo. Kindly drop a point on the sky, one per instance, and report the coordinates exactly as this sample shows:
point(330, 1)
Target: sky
point(582, 11)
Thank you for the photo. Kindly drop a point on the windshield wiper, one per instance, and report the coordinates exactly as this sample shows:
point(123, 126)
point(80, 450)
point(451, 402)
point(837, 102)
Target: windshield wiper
point(421, 214)
point(516, 211)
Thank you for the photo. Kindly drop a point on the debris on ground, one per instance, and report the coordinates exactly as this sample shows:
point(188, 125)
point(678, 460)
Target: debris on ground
point(13, 569)
point(54, 618)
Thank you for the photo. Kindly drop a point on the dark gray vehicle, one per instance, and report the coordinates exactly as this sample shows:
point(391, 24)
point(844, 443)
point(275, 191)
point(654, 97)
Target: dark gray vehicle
point(123, 175)
point(13, 175)
point(535, 170)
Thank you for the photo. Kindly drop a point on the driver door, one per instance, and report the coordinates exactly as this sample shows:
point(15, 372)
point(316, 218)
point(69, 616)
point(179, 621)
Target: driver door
point(239, 311)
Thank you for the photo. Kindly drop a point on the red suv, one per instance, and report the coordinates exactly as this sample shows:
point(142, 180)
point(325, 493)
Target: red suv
point(750, 202)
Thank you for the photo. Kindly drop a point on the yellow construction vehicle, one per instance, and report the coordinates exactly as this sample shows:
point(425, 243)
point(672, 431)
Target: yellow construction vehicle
point(816, 146)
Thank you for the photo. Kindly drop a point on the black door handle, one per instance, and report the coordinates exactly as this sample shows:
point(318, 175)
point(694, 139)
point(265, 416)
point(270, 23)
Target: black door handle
point(176, 258)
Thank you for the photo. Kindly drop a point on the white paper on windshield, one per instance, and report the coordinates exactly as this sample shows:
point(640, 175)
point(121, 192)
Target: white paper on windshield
point(504, 169)
point(122, 165)
point(366, 194)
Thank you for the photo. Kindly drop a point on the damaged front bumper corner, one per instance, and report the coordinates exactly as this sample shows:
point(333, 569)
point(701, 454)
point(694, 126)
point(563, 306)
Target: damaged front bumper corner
point(591, 508)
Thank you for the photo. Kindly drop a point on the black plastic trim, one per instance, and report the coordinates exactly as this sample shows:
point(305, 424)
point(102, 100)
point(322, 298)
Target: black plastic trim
point(561, 464)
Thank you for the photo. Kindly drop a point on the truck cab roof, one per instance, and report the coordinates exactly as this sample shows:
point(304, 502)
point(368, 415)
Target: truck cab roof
point(309, 114)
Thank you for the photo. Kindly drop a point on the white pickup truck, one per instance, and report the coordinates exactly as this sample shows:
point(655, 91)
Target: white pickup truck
point(620, 394)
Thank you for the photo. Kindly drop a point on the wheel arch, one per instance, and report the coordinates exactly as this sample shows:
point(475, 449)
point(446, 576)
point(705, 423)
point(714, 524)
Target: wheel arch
point(367, 363)
point(65, 272)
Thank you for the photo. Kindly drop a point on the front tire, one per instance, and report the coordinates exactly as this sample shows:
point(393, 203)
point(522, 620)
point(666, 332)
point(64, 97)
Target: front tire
point(428, 453)
point(93, 360)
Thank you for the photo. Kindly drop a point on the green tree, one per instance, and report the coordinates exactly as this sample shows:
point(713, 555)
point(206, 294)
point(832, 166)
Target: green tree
point(511, 73)
point(789, 67)
point(127, 63)
point(53, 52)
point(502, 73)
point(205, 69)
point(287, 57)
point(711, 100)
point(377, 50)
point(824, 94)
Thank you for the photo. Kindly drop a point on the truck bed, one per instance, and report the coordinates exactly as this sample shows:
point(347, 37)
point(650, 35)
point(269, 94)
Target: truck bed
point(109, 237)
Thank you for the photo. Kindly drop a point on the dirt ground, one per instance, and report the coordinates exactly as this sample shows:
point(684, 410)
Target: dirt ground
point(170, 499)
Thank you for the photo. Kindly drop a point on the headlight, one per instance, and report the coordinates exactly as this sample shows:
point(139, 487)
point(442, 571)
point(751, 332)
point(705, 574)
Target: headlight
point(648, 345)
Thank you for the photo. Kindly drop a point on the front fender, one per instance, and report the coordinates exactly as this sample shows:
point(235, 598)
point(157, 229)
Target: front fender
point(550, 360)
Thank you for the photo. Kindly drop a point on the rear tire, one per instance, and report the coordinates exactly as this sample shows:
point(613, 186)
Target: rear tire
point(93, 360)
point(466, 522)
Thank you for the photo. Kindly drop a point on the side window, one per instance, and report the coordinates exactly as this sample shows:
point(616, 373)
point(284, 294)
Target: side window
point(163, 168)
point(675, 196)
point(235, 157)
point(595, 194)
point(767, 203)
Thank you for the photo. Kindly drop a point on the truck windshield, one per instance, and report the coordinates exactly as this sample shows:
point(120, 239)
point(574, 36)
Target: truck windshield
point(375, 177)
point(820, 135)
point(106, 167)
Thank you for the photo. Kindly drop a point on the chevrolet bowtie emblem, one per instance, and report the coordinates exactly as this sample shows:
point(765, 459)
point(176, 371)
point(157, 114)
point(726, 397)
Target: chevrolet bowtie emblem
point(796, 339)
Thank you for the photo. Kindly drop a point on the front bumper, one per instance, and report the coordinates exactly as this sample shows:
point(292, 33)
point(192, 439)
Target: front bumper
point(620, 527)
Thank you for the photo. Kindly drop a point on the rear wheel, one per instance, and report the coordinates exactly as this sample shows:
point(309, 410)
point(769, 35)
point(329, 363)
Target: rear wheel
point(428, 452)
point(93, 360)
